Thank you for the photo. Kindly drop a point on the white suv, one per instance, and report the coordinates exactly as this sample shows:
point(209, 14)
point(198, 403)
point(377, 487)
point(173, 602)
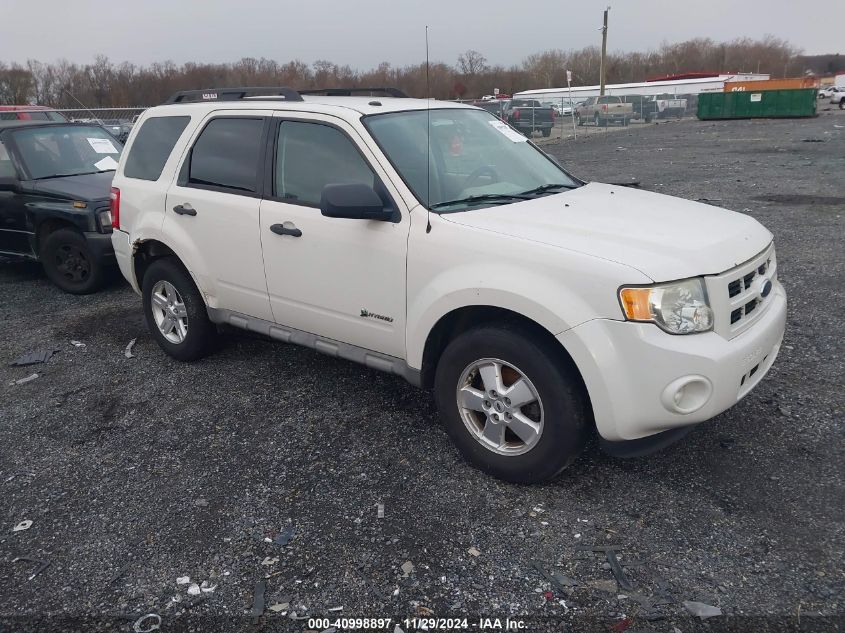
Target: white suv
point(430, 240)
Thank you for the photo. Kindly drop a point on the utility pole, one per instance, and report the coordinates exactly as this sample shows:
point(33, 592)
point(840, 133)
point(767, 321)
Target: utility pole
point(603, 66)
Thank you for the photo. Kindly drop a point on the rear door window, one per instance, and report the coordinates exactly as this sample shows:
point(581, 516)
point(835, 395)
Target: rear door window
point(152, 146)
point(228, 153)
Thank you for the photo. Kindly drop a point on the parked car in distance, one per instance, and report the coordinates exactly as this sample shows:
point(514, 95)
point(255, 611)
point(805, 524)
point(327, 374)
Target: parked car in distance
point(604, 110)
point(55, 181)
point(827, 93)
point(670, 106)
point(496, 107)
point(644, 107)
point(529, 116)
point(28, 113)
point(838, 97)
point(118, 128)
point(437, 244)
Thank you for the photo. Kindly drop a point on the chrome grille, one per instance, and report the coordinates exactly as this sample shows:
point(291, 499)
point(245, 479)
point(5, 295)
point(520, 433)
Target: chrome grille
point(735, 295)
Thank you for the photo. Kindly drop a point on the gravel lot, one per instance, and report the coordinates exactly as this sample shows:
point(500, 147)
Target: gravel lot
point(137, 471)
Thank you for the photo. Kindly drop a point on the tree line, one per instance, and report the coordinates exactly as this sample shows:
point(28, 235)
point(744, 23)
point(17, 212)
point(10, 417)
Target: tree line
point(104, 83)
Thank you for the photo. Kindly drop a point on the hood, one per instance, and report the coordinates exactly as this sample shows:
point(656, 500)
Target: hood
point(664, 237)
point(88, 187)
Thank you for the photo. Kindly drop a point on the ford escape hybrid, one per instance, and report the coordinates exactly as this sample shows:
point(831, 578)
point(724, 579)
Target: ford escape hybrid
point(433, 241)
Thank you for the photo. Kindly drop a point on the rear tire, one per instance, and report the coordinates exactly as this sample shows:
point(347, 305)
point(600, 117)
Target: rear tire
point(547, 132)
point(69, 264)
point(541, 437)
point(175, 311)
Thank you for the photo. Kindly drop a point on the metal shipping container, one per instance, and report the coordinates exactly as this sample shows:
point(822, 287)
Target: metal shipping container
point(762, 104)
point(793, 83)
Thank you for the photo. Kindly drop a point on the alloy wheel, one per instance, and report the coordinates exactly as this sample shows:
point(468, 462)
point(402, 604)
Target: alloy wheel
point(169, 312)
point(500, 406)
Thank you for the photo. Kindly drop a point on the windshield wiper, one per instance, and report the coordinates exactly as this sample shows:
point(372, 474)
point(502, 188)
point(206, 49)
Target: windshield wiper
point(545, 188)
point(84, 173)
point(487, 197)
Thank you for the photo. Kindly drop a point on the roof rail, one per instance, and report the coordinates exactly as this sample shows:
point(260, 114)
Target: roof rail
point(348, 92)
point(234, 94)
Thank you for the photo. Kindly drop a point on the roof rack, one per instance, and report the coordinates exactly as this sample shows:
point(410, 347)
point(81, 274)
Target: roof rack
point(348, 92)
point(234, 94)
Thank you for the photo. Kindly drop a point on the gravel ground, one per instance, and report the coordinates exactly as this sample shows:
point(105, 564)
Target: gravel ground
point(137, 471)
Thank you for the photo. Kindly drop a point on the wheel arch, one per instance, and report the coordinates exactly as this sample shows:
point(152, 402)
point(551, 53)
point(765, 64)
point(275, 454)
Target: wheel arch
point(51, 225)
point(462, 319)
point(145, 252)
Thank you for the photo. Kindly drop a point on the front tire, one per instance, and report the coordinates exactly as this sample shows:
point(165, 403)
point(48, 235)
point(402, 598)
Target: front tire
point(175, 311)
point(512, 407)
point(69, 264)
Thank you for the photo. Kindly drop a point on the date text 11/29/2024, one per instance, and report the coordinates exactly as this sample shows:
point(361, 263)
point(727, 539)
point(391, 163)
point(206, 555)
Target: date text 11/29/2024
point(422, 624)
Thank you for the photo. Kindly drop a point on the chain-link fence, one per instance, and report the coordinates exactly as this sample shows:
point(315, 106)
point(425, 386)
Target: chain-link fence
point(582, 115)
point(117, 121)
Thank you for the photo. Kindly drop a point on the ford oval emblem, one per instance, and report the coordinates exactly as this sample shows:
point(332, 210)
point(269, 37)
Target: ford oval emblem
point(766, 289)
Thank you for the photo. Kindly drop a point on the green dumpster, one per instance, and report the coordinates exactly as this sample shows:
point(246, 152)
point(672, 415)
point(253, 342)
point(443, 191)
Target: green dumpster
point(760, 104)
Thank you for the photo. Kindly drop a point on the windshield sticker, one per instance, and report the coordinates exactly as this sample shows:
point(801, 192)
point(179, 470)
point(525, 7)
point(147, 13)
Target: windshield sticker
point(107, 164)
point(102, 145)
point(508, 131)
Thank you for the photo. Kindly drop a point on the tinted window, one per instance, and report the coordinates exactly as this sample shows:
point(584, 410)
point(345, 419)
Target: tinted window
point(152, 146)
point(310, 156)
point(227, 154)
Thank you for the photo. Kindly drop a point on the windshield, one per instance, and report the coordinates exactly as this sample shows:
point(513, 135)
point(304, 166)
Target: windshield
point(472, 155)
point(66, 150)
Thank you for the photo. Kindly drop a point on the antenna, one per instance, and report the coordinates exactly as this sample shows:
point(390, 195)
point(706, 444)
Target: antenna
point(428, 138)
point(84, 107)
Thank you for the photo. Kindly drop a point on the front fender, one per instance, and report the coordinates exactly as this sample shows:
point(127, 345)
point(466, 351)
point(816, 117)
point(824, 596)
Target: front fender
point(455, 266)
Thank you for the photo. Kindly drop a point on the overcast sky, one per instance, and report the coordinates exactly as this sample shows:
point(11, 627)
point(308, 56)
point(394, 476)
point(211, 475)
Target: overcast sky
point(363, 33)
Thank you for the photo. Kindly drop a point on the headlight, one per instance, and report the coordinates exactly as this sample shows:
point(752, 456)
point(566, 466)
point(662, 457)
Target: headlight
point(678, 308)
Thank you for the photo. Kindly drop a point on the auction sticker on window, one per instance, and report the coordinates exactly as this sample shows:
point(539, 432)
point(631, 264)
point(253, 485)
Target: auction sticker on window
point(106, 164)
point(102, 145)
point(508, 131)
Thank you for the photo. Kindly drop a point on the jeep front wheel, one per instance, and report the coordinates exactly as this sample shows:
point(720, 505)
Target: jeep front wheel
point(69, 263)
point(512, 406)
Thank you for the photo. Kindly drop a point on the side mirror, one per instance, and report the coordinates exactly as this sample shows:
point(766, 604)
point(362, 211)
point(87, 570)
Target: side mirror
point(10, 184)
point(355, 202)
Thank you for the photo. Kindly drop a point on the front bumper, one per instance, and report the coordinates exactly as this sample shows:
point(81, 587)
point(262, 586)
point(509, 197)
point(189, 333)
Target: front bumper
point(100, 246)
point(633, 371)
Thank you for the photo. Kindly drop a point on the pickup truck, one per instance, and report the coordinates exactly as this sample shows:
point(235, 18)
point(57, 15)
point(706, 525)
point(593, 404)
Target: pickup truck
point(529, 116)
point(603, 110)
point(645, 108)
point(670, 105)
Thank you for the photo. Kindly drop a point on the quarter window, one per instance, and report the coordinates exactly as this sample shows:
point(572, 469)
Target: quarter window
point(227, 154)
point(310, 156)
point(152, 146)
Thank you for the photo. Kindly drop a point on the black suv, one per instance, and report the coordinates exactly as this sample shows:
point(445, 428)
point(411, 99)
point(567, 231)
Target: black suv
point(55, 182)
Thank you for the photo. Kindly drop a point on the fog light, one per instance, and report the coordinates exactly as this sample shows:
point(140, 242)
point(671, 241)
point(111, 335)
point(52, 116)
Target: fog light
point(687, 394)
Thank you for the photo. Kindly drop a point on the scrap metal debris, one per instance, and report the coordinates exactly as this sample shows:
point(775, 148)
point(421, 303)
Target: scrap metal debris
point(23, 525)
point(194, 589)
point(77, 344)
point(23, 381)
point(258, 600)
point(284, 537)
point(380, 511)
point(407, 568)
point(138, 627)
point(42, 564)
point(556, 580)
point(128, 351)
point(702, 610)
point(473, 552)
point(183, 580)
point(34, 358)
point(617, 571)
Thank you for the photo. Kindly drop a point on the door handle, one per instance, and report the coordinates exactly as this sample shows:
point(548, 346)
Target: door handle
point(184, 209)
point(281, 229)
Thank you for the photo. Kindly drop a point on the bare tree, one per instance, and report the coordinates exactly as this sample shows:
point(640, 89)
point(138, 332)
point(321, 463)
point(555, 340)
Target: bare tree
point(472, 63)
